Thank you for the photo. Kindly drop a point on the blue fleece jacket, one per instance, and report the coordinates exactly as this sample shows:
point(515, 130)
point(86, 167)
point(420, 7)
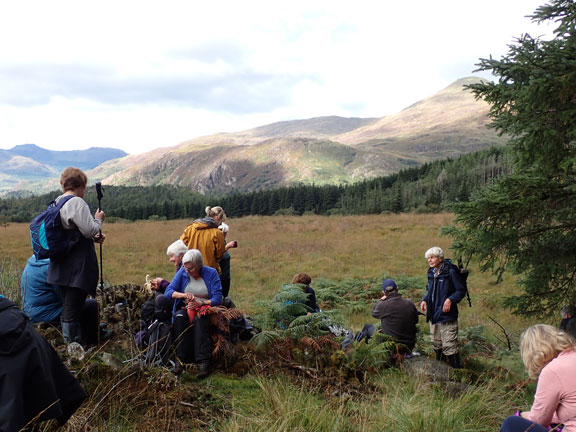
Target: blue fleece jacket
point(181, 279)
point(41, 301)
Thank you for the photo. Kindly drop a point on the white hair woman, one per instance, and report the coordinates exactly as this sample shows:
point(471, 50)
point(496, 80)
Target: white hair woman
point(175, 252)
point(195, 286)
point(548, 355)
point(161, 303)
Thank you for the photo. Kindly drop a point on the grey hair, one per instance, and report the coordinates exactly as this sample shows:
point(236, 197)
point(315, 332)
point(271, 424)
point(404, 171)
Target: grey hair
point(434, 251)
point(568, 310)
point(177, 248)
point(193, 256)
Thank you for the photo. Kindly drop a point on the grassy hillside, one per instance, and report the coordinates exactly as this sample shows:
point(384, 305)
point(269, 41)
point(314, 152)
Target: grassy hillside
point(447, 124)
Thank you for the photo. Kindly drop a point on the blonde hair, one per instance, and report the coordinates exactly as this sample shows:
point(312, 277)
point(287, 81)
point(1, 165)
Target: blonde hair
point(73, 178)
point(540, 344)
point(216, 212)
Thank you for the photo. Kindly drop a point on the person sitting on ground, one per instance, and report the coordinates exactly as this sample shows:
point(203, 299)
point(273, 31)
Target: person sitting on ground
point(568, 323)
point(175, 253)
point(36, 386)
point(305, 280)
point(158, 285)
point(225, 276)
point(398, 315)
point(549, 355)
point(42, 303)
point(204, 235)
point(195, 287)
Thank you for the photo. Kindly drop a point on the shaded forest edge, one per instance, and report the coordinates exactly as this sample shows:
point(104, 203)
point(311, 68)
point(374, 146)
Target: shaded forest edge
point(430, 188)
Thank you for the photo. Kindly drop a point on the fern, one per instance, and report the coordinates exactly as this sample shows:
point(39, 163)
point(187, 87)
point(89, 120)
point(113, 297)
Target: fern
point(286, 305)
point(266, 338)
point(370, 356)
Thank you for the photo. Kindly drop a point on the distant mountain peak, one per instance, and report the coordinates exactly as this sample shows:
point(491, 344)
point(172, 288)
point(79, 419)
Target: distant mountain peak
point(320, 150)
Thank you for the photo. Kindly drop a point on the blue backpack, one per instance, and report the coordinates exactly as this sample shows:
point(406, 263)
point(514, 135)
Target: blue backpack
point(49, 238)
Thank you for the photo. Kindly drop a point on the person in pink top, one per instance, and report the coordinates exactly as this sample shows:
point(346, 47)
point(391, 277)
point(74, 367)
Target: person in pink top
point(548, 355)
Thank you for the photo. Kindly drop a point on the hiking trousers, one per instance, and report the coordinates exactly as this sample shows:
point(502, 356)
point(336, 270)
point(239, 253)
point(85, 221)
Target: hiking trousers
point(192, 341)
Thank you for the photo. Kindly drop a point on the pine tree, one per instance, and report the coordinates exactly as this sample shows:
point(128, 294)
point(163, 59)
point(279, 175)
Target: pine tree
point(525, 222)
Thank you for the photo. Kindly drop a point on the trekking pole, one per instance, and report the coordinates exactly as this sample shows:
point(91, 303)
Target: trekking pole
point(464, 272)
point(99, 191)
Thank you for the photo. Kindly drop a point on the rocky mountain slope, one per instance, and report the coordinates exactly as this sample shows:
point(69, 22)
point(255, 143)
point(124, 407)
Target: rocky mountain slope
point(319, 150)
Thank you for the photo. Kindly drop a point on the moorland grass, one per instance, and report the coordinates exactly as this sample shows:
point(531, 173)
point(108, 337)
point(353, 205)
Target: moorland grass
point(271, 250)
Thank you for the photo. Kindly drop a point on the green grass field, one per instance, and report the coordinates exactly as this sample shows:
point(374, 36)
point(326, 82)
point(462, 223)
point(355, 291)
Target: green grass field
point(271, 250)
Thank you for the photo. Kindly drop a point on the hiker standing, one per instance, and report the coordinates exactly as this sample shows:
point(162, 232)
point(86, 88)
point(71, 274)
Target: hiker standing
point(204, 235)
point(195, 288)
point(225, 275)
point(444, 291)
point(76, 272)
point(549, 355)
point(398, 315)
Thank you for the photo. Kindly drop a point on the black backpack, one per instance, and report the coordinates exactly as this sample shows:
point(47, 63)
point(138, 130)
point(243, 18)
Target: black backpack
point(463, 272)
point(240, 329)
point(48, 236)
point(159, 341)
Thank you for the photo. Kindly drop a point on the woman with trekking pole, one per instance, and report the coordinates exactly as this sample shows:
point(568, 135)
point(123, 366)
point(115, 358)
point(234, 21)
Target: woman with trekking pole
point(76, 271)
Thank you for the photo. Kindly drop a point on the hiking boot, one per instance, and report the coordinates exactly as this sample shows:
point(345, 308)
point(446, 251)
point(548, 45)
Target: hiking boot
point(203, 370)
point(440, 356)
point(177, 370)
point(454, 360)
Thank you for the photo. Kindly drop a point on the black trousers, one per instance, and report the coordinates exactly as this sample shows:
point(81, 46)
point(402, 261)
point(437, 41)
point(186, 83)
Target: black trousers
point(225, 286)
point(72, 303)
point(192, 341)
point(77, 308)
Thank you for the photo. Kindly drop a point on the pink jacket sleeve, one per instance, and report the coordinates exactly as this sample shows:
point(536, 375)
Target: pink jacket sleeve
point(546, 398)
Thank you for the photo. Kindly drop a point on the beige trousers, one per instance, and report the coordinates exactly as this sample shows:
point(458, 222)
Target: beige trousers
point(445, 337)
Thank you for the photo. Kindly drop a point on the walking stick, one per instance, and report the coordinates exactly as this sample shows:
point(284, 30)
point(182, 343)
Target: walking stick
point(99, 191)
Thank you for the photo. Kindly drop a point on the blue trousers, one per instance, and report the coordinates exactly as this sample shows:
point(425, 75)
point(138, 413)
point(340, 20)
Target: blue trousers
point(519, 424)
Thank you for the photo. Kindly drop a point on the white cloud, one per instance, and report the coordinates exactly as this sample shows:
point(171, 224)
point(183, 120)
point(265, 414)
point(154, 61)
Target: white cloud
point(138, 75)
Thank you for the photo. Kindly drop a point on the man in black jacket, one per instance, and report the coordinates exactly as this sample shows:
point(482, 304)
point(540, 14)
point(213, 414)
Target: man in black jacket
point(398, 315)
point(35, 385)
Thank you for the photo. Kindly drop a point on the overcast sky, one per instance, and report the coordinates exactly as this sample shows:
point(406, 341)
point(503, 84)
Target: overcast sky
point(139, 75)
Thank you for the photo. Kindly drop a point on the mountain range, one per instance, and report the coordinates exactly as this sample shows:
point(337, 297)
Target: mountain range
point(28, 166)
point(319, 150)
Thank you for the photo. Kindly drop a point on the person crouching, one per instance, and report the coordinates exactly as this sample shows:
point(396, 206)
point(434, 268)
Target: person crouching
point(398, 316)
point(193, 288)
